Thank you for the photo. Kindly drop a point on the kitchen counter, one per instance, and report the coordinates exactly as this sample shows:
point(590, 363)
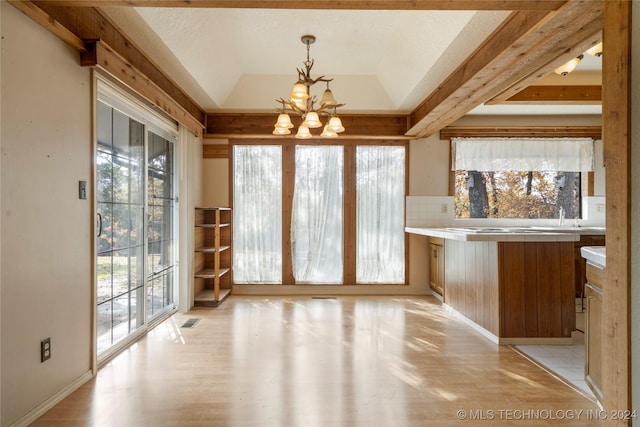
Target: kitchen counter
point(508, 234)
point(517, 284)
point(595, 255)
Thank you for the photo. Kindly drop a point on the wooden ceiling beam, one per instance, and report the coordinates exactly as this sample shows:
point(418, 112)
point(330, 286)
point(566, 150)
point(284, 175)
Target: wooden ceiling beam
point(449, 132)
point(90, 24)
point(260, 125)
point(525, 41)
point(327, 4)
point(101, 55)
point(574, 45)
point(584, 94)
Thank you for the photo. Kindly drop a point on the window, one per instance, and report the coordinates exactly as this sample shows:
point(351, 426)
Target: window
point(257, 214)
point(319, 214)
point(316, 225)
point(514, 194)
point(380, 214)
point(519, 177)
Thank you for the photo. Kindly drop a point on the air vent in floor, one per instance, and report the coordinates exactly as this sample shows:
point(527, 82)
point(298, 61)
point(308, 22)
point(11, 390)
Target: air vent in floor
point(190, 323)
point(323, 297)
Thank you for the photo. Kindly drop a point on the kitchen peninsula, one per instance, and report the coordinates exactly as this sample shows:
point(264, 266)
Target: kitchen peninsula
point(515, 283)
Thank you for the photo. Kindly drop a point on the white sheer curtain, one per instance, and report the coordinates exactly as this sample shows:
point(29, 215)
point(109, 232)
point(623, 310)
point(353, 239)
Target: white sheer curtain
point(380, 178)
point(257, 214)
point(316, 224)
point(523, 154)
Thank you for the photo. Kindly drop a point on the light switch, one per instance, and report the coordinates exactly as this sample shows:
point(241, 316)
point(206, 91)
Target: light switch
point(82, 189)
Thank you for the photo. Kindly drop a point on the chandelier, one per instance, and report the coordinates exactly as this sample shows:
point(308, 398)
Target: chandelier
point(303, 104)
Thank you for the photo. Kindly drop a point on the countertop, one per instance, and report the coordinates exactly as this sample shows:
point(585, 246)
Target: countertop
point(508, 234)
point(595, 255)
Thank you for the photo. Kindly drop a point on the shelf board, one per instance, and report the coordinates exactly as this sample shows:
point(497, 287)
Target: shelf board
point(205, 298)
point(206, 225)
point(210, 273)
point(207, 250)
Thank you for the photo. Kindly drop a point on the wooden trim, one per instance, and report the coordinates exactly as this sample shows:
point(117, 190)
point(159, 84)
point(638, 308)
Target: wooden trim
point(288, 182)
point(586, 94)
point(50, 24)
point(260, 125)
point(452, 173)
point(591, 184)
point(328, 4)
point(89, 23)
point(215, 151)
point(524, 41)
point(350, 221)
point(100, 55)
point(616, 119)
point(594, 132)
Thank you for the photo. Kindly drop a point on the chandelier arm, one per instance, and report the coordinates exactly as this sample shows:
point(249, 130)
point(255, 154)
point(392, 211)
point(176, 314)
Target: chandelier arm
point(321, 79)
point(290, 107)
point(324, 109)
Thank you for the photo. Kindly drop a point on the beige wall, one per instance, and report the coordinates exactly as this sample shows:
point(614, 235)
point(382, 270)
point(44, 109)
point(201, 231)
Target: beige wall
point(429, 167)
point(46, 230)
point(215, 180)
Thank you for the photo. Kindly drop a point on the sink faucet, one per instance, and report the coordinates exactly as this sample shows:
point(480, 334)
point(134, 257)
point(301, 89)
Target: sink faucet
point(561, 217)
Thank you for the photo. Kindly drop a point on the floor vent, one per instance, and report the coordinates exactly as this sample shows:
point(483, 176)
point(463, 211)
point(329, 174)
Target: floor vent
point(190, 323)
point(323, 297)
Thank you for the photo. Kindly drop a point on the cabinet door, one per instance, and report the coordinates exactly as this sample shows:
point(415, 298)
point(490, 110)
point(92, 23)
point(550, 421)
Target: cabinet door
point(436, 268)
point(593, 340)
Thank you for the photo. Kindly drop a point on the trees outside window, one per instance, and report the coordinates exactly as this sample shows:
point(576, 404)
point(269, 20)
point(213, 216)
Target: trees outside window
point(515, 194)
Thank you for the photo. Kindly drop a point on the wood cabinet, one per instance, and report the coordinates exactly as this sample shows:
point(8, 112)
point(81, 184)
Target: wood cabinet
point(213, 256)
point(521, 292)
point(436, 265)
point(537, 289)
point(593, 330)
point(581, 264)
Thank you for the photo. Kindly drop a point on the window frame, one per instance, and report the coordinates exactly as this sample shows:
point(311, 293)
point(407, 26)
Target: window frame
point(349, 213)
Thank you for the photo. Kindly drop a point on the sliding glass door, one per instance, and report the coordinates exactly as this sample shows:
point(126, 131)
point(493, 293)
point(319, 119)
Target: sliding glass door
point(120, 253)
point(136, 204)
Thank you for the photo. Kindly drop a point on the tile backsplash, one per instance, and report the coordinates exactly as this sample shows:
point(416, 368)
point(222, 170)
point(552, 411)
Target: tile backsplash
point(429, 211)
point(438, 211)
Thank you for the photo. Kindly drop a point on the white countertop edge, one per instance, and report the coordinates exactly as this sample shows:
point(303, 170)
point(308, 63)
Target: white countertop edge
point(596, 255)
point(542, 236)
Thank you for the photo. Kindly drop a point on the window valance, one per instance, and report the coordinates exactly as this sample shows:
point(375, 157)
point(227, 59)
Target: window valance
point(522, 154)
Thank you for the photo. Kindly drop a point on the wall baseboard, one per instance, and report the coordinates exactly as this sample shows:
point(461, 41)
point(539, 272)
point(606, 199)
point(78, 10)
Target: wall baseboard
point(41, 409)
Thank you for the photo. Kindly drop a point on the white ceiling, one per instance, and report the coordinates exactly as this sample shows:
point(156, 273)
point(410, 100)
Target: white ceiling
point(382, 61)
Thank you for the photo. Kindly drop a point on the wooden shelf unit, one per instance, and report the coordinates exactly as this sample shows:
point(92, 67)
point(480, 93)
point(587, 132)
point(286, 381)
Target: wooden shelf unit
point(213, 256)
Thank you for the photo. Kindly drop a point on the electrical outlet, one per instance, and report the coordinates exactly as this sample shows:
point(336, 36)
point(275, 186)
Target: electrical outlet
point(445, 208)
point(45, 350)
point(600, 207)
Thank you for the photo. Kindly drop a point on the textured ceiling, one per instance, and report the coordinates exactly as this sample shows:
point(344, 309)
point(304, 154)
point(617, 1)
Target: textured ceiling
point(244, 59)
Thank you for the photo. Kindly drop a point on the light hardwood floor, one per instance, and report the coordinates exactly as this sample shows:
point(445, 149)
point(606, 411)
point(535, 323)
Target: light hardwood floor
point(303, 362)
